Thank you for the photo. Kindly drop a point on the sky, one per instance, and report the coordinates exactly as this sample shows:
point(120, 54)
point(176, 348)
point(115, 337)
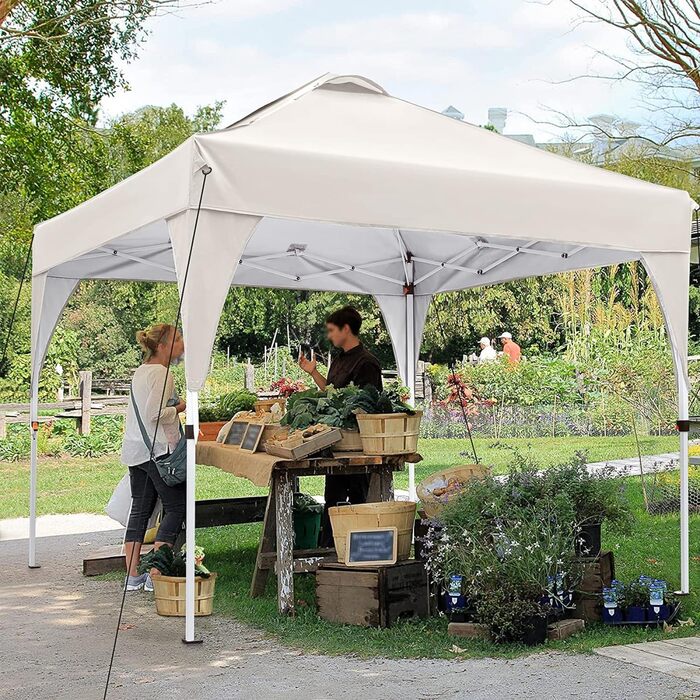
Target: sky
point(518, 54)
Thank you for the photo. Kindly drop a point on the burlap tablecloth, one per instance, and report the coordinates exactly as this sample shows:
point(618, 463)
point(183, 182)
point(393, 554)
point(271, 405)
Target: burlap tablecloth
point(254, 466)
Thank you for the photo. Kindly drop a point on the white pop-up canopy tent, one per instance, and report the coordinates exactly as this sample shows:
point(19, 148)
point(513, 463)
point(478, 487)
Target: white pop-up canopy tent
point(339, 186)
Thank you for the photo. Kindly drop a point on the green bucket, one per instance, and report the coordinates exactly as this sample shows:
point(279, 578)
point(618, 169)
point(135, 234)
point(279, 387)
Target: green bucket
point(307, 526)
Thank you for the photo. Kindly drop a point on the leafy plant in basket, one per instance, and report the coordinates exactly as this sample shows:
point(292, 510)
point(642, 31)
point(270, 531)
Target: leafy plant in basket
point(332, 407)
point(170, 564)
point(371, 400)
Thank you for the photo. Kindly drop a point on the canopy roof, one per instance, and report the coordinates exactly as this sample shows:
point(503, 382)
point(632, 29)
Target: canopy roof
point(340, 186)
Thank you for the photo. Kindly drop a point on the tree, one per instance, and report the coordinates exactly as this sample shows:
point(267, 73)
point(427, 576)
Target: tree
point(58, 59)
point(526, 308)
point(251, 317)
point(106, 315)
point(665, 36)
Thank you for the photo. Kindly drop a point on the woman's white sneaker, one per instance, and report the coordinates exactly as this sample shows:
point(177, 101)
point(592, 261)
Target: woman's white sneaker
point(136, 583)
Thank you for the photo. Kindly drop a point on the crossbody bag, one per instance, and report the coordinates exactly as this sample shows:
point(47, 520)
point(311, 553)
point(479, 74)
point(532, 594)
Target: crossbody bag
point(172, 466)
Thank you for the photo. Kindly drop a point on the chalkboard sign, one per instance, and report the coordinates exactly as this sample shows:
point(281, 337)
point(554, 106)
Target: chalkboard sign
point(252, 437)
point(371, 547)
point(236, 432)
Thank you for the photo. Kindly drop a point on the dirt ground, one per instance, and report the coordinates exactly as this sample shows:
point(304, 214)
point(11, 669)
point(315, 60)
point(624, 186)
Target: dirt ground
point(56, 630)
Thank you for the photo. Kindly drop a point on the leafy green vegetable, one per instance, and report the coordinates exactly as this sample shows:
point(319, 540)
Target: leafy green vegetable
point(337, 407)
point(228, 405)
point(169, 563)
point(303, 503)
point(331, 407)
point(371, 400)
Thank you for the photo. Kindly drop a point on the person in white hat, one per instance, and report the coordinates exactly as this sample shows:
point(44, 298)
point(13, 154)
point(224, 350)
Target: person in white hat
point(510, 348)
point(488, 352)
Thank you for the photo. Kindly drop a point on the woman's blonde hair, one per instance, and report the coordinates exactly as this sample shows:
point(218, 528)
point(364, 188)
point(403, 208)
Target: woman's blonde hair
point(152, 337)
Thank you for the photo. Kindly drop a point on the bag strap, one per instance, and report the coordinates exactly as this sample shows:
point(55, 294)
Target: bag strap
point(142, 427)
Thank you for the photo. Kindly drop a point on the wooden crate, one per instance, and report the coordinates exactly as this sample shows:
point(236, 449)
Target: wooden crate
point(598, 573)
point(315, 444)
point(389, 433)
point(372, 597)
point(563, 629)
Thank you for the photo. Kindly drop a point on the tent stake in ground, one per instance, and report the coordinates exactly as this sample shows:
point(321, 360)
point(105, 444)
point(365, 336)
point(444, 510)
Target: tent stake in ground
point(355, 180)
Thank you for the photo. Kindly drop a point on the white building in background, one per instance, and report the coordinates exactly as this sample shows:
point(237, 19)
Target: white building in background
point(598, 149)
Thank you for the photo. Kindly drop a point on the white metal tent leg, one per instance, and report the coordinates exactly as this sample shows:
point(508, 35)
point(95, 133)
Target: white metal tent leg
point(33, 416)
point(683, 465)
point(411, 379)
point(192, 429)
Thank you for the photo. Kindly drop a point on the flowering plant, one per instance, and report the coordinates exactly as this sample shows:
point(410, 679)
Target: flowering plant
point(513, 535)
point(286, 387)
point(460, 393)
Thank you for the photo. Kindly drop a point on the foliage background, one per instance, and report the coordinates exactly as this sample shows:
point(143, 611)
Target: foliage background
point(594, 339)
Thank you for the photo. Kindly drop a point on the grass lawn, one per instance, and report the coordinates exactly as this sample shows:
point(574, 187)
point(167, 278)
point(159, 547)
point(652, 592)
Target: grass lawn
point(84, 485)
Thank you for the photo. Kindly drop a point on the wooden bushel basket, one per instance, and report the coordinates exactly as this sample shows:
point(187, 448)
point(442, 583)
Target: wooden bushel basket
point(209, 431)
point(389, 433)
point(349, 442)
point(432, 504)
point(267, 404)
point(367, 516)
point(169, 593)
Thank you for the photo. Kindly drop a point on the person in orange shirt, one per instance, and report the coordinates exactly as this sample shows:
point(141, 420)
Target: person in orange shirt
point(510, 348)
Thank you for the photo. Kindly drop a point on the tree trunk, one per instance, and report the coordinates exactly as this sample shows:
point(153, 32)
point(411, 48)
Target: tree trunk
point(6, 6)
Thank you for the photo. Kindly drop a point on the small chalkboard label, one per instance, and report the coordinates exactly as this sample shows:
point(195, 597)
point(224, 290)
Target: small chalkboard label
point(252, 437)
point(371, 547)
point(236, 433)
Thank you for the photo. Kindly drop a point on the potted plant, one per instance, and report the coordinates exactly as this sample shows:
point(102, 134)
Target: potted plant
point(636, 599)
point(513, 615)
point(306, 512)
point(169, 583)
point(513, 546)
point(214, 416)
point(595, 498)
point(658, 608)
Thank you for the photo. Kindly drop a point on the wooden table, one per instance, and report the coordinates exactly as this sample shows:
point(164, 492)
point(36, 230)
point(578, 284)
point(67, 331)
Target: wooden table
point(276, 548)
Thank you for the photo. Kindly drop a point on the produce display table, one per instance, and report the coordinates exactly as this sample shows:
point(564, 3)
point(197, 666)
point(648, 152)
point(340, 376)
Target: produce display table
point(276, 548)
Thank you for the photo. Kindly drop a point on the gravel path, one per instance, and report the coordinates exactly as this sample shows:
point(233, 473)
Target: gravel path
point(57, 631)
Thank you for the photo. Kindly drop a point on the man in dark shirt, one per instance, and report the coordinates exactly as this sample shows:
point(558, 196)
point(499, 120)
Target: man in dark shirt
point(354, 365)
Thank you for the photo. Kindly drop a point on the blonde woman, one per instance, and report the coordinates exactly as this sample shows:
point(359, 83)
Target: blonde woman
point(161, 344)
